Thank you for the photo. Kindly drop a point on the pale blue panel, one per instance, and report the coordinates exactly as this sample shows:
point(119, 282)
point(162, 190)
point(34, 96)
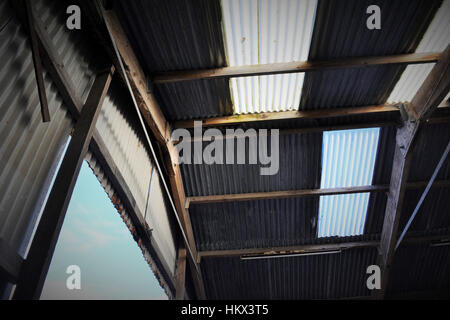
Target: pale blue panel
point(348, 160)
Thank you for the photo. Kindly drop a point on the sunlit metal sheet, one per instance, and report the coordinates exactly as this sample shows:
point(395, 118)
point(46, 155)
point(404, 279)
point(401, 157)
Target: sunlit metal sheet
point(436, 39)
point(267, 31)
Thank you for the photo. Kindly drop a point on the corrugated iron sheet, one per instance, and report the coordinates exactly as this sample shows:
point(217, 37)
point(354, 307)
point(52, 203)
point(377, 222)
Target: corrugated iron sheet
point(267, 31)
point(118, 127)
point(309, 277)
point(120, 130)
point(180, 35)
point(29, 148)
point(299, 167)
point(254, 224)
point(419, 268)
point(340, 31)
point(432, 218)
point(436, 39)
point(381, 175)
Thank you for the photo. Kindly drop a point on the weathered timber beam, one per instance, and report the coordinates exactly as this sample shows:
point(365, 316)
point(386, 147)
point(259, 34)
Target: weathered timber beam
point(294, 67)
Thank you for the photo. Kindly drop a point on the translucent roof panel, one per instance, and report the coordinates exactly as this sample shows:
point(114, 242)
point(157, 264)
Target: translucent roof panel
point(348, 160)
point(267, 31)
point(436, 39)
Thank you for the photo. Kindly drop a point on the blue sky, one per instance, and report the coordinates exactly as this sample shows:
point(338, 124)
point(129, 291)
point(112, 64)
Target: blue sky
point(95, 238)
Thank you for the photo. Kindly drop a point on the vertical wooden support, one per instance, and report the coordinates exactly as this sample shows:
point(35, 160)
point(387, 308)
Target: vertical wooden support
point(35, 267)
point(425, 101)
point(37, 62)
point(180, 276)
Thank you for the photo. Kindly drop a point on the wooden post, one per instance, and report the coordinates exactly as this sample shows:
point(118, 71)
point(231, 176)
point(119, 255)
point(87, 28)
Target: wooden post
point(425, 101)
point(37, 62)
point(180, 276)
point(35, 267)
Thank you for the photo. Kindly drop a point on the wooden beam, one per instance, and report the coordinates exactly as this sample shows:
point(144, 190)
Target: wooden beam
point(304, 193)
point(433, 90)
point(35, 267)
point(37, 62)
point(425, 101)
point(294, 67)
point(146, 101)
point(350, 126)
point(180, 276)
point(288, 115)
point(309, 248)
point(154, 117)
point(288, 249)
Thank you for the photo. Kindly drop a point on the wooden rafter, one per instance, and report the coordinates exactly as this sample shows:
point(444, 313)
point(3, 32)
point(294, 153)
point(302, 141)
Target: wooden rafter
point(161, 129)
point(288, 115)
point(35, 267)
point(38, 71)
point(304, 193)
point(294, 67)
point(313, 247)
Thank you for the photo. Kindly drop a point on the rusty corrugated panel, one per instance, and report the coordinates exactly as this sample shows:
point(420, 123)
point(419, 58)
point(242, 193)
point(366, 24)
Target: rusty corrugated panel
point(340, 31)
point(309, 277)
point(180, 35)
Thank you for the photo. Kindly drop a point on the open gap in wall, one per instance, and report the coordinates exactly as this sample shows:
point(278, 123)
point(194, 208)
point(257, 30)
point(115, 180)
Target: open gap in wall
point(95, 240)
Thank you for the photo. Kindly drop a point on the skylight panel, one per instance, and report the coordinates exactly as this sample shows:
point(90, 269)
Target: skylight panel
point(348, 160)
point(267, 31)
point(436, 39)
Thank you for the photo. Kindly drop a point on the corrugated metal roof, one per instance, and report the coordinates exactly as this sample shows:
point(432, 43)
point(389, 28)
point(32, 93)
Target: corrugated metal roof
point(430, 145)
point(348, 159)
point(340, 31)
point(436, 38)
point(420, 267)
point(29, 148)
point(267, 31)
point(309, 277)
point(192, 40)
point(118, 127)
point(381, 175)
point(254, 224)
point(299, 167)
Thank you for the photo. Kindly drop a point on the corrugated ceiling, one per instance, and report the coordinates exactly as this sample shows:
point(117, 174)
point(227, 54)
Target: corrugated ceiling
point(340, 31)
point(179, 35)
point(267, 31)
point(348, 159)
point(436, 39)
